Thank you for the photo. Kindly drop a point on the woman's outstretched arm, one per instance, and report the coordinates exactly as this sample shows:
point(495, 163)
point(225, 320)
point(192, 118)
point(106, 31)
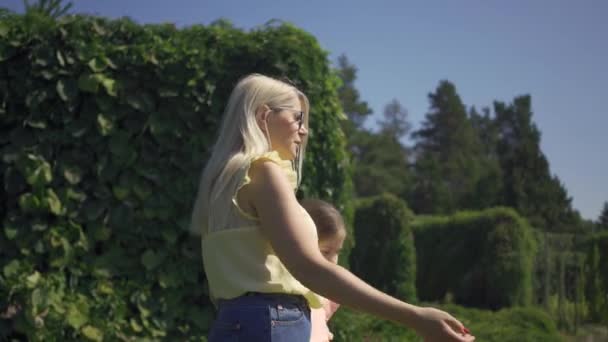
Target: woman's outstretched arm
point(273, 199)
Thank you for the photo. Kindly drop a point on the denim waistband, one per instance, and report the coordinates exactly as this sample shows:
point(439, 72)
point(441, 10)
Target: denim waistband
point(259, 298)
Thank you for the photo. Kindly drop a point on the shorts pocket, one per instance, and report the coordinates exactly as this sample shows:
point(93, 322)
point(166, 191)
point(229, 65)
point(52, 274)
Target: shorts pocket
point(290, 323)
point(287, 314)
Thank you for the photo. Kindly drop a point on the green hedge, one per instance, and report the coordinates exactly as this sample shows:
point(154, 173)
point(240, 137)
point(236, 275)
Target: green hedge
point(559, 278)
point(348, 325)
point(511, 324)
point(482, 259)
point(104, 128)
point(596, 277)
point(525, 324)
point(384, 253)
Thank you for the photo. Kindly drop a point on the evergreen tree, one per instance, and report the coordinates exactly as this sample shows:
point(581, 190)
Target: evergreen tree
point(447, 151)
point(51, 8)
point(394, 120)
point(355, 109)
point(528, 184)
point(602, 220)
point(380, 165)
point(488, 190)
point(379, 159)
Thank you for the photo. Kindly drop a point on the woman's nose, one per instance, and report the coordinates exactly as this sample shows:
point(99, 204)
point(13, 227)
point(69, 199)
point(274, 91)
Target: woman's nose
point(303, 130)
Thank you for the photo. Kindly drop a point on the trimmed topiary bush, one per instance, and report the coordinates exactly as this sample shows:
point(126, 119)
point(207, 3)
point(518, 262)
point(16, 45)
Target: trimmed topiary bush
point(384, 253)
point(482, 259)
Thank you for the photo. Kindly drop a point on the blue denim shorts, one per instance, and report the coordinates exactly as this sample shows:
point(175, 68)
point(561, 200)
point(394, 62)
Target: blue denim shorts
point(262, 317)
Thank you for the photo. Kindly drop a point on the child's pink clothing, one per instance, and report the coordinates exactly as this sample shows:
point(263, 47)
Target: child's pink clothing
point(319, 317)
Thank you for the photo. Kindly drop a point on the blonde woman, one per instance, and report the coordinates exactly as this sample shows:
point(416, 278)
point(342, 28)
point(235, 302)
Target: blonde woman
point(260, 247)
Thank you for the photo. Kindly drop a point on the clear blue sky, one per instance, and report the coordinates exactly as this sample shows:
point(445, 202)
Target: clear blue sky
point(555, 50)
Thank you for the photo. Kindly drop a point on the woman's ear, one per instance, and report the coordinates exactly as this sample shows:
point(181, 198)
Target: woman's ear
point(261, 115)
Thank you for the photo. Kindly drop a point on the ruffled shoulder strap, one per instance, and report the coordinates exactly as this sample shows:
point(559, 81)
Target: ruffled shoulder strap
point(272, 156)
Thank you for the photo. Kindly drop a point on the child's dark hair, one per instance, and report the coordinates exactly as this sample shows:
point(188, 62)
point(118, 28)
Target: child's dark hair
point(327, 218)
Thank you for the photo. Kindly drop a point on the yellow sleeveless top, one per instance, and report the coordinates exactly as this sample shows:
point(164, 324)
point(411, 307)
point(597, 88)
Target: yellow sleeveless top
point(240, 259)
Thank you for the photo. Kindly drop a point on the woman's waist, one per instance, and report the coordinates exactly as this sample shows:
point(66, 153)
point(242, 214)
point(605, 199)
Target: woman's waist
point(252, 299)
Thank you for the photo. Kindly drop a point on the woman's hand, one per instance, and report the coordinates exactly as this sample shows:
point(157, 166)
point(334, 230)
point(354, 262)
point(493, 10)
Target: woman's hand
point(438, 326)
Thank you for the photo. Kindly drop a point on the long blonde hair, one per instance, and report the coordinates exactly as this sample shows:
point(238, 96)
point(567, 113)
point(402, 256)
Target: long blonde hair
point(240, 140)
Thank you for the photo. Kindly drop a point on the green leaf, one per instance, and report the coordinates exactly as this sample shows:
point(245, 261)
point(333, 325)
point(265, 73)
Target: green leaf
point(38, 298)
point(40, 124)
point(88, 83)
point(135, 326)
point(76, 317)
point(110, 86)
point(47, 75)
point(12, 268)
point(39, 226)
point(73, 174)
point(109, 63)
point(10, 154)
point(37, 171)
point(142, 191)
point(143, 311)
point(120, 192)
point(60, 58)
point(78, 128)
point(141, 101)
point(92, 333)
point(151, 260)
point(168, 279)
point(75, 195)
point(10, 232)
point(67, 89)
point(39, 247)
point(105, 287)
point(91, 82)
point(29, 203)
point(167, 92)
point(32, 280)
point(104, 124)
point(53, 202)
point(97, 64)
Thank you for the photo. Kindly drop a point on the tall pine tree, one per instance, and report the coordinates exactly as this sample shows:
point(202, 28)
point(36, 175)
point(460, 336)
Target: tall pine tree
point(379, 159)
point(355, 109)
point(602, 220)
point(528, 184)
point(382, 160)
point(394, 120)
point(447, 151)
point(488, 190)
point(380, 165)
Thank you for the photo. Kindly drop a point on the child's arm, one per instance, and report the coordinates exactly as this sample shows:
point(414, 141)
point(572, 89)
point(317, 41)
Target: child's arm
point(330, 308)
